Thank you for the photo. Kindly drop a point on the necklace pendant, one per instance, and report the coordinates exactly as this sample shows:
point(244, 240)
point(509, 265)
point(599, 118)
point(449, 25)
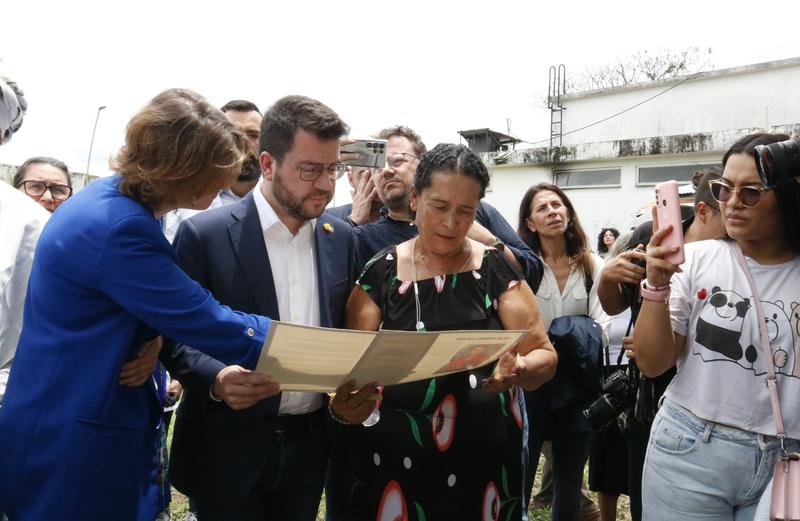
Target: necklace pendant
point(438, 281)
point(420, 326)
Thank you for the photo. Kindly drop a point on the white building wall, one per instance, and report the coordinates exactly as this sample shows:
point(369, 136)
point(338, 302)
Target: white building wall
point(693, 123)
point(760, 96)
point(596, 207)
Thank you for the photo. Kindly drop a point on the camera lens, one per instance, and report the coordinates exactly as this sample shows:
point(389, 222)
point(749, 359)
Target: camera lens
point(778, 162)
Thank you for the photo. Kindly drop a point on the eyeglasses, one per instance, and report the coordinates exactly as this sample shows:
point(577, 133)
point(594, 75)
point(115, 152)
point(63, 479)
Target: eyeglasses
point(748, 195)
point(399, 159)
point(38, 188)
point(312, 171)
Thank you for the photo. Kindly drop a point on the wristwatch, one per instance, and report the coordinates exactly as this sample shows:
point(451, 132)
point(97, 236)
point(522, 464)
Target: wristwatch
point(654, 293)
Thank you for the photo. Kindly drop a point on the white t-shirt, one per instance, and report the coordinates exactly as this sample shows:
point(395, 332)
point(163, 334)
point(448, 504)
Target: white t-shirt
point(721, 374)
point(617, 332)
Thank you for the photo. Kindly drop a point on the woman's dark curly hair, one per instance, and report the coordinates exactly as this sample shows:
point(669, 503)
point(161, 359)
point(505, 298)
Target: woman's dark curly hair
point(601, 246)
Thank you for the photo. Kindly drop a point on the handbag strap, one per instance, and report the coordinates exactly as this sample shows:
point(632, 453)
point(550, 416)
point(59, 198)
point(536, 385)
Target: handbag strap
point(772, 383)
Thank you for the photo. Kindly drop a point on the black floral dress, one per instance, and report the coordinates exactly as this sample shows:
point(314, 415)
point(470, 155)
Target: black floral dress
point(444, 448)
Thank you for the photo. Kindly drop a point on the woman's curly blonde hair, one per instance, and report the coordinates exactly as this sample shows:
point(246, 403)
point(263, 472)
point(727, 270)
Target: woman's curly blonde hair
point(178, 147)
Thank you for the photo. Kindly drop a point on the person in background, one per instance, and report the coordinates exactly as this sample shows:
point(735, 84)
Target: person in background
point(549, 225)
point(448, 447)
point(103, 281)
point(605, 239)
point(608, 458)
point(21, 222)
point(246, 117)
point(618, 290)
point(713, 445)
point(46, 180)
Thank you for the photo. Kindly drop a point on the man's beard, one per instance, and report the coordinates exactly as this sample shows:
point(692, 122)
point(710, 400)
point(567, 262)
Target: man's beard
point(251, 170)
point(398, 202)
point(293, 204)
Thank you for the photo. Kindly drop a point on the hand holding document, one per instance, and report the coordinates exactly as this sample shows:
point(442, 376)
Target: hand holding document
point(305, 358)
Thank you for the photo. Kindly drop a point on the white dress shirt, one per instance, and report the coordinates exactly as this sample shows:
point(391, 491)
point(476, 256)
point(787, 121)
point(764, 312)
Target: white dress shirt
point(21, 222)
point(573, 300)
point(294, 271)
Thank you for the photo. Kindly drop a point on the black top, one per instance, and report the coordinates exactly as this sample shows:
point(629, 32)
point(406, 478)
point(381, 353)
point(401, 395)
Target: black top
point(444, 448)
point(374, 237)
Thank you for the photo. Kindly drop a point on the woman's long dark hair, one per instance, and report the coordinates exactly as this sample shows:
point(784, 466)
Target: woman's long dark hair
point(577, 245)
point(787, 194)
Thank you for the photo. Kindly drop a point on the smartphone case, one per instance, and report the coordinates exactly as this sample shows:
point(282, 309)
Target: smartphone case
point(372, 152)
point(668, 211)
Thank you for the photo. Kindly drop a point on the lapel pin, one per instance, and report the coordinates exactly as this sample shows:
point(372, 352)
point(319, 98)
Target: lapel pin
point(327, 227)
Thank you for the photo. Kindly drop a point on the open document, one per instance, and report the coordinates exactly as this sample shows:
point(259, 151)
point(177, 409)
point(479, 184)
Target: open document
point(305, 358)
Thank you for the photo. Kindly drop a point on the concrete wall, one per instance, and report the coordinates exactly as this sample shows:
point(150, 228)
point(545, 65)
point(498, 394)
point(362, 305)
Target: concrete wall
point(760, 95)
point(596, 207)
point(693, 123)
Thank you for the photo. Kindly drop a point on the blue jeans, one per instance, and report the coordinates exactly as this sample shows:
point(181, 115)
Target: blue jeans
point(697, 469)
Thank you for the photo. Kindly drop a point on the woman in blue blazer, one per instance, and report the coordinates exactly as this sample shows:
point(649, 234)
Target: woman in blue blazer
point(74, 444)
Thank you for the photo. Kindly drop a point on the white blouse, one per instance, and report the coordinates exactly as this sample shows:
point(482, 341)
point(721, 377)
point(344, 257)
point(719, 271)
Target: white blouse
point(574, 299)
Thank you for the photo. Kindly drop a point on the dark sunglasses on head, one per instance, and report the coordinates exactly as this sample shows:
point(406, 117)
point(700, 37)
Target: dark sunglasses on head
point(38, 188)
point(748, 195)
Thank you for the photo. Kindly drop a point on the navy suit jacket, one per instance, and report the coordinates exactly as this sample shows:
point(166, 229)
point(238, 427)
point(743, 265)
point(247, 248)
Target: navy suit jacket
point(217, 451)
point(74, 444)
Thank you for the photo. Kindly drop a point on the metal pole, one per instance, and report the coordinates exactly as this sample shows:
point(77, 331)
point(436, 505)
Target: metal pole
point(91, 143)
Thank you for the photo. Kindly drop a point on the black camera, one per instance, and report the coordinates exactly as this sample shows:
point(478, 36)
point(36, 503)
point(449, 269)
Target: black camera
point(619, 393)
point(778, 162)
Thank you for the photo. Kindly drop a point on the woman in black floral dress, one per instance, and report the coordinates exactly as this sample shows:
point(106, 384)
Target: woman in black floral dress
point(449, 447)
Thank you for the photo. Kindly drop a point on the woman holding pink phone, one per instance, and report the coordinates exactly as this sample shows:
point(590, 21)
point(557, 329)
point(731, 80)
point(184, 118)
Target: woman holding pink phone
point(713, 444)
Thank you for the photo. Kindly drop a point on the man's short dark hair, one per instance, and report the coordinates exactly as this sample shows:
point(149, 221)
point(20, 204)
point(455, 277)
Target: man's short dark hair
point(291, 113)
point(240, 105)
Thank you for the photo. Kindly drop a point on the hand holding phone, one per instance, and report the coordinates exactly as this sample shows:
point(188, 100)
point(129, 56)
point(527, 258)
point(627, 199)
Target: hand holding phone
point(371, 152)
point(668, 212)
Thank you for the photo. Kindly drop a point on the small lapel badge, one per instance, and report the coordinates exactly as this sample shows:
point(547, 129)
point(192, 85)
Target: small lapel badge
point(327, 227)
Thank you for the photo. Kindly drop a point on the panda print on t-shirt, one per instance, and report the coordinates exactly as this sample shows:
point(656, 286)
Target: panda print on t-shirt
point(727, 331)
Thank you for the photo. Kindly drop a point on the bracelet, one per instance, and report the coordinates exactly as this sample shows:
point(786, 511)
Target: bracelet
point(654, 294)
point(336, 418)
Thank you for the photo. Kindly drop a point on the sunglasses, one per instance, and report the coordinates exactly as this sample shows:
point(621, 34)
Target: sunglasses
point(748, 195)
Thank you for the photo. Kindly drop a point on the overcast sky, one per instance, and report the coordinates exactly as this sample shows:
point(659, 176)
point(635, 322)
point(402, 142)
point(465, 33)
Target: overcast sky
point(437, 66)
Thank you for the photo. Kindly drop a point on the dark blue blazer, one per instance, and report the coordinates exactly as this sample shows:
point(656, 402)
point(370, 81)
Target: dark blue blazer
point(217, 451)
point(74, 444)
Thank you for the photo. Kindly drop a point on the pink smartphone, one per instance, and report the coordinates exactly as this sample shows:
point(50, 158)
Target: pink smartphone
point(668, 211)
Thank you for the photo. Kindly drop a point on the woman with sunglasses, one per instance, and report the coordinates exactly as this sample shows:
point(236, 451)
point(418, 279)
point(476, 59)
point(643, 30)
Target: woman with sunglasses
point(46, 180)
point(713, 447)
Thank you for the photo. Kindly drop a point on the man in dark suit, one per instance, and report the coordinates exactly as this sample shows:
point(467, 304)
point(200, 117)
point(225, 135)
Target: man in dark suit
point(242, 450)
